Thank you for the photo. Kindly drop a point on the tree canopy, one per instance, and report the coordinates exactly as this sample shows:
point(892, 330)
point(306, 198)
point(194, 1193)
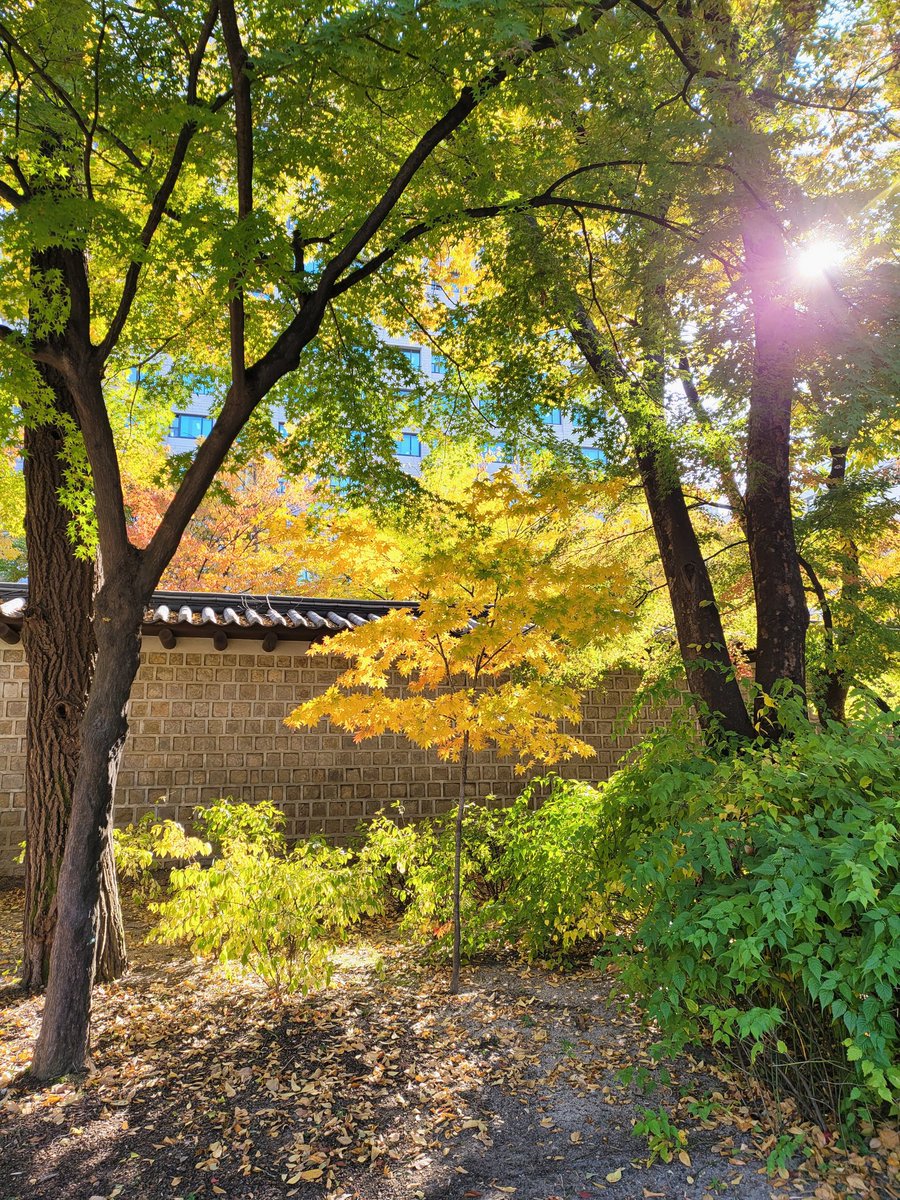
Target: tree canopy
point(678, 223)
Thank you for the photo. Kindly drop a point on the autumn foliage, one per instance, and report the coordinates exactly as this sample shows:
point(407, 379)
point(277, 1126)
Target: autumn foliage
point(237, 540)
point(505, 580)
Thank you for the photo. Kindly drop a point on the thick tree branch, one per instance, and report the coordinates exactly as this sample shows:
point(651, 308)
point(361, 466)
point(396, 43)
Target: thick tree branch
point(11, 196)
point(236, 411)
point(546, 199)
point(283, 355)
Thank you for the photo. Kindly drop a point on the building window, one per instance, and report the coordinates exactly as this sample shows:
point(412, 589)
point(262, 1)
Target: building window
point(413, 356)
point(282, 429)
point(551, 416)
point(593, 454)
point(438, 364)
point(191, 425)
point(410, 445)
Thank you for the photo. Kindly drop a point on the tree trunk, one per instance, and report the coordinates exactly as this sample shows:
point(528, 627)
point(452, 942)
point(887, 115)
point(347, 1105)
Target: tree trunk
point(782, 617)
point(59, 646)
point(831, 694)
point(701, 638)
point(698, 625)
point(781, 612)
point(63, 1042)
point(457, 865)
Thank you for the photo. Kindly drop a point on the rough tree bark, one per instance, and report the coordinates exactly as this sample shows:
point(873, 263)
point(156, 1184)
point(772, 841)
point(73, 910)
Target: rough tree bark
point(62, 1045)
point(58, 640)
point(698, 624)
point(782, 617)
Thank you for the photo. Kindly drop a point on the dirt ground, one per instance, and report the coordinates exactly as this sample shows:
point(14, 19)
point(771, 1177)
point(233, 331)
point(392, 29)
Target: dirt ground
point(382, 1087)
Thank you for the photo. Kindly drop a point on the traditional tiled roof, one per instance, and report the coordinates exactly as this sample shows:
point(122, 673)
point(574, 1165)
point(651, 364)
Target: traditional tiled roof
point(221, 616)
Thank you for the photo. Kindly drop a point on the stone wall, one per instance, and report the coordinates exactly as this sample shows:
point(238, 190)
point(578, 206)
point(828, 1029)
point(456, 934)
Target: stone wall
point(206, 724)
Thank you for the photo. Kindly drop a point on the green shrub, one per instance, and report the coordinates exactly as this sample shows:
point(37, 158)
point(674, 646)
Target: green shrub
point(773, 912)
point(414, 864)
point(664, 1138)
point(546, 880)
point(563, 862)
point(148, 847)
point(260, 907)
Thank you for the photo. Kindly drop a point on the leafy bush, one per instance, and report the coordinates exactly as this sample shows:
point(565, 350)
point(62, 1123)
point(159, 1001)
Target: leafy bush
point(150, 845)
point(546, 880)
point(260, 907)
point(563, 863)
point(414, 864)
point(773, 912)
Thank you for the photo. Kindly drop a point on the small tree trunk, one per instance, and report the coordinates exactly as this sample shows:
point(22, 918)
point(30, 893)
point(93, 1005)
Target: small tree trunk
point(837, 684)
point(707, 661)
point(59, 645)
point(457, 865)
point(63, 1042)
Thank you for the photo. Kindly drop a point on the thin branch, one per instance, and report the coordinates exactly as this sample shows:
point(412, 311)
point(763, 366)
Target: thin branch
point(720, 460)
point(707, 558)
point(668, 37)
point(469, 99)
point(243, 135)
point(164, 193)
point(66, 100)
point(91, 131)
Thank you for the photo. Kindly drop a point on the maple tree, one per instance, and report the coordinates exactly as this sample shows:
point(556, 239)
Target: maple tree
point(238, 540)
point(506, 577)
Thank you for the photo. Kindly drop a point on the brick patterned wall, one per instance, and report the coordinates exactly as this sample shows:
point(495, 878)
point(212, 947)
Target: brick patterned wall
point(206, 724)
